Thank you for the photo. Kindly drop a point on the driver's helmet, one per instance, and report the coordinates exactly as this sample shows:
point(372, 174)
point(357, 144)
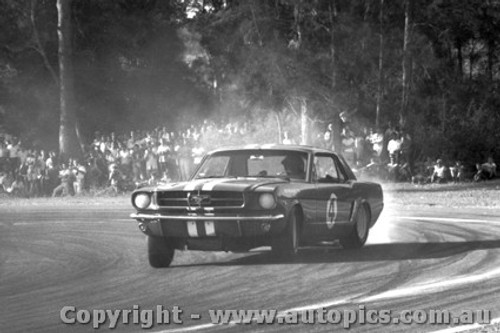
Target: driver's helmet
point(293, 164)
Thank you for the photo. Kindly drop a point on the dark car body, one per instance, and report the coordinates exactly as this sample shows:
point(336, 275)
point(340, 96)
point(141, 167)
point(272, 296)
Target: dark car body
point(241, 198)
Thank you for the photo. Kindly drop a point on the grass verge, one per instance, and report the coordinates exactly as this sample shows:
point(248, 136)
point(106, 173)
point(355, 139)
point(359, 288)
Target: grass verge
point(453, 195)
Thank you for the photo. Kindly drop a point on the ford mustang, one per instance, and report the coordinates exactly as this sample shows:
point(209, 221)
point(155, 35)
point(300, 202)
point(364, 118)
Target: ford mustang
point(282, 196)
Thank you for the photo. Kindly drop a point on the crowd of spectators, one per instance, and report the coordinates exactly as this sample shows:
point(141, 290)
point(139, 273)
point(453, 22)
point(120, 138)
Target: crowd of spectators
point(111, 163)
point(384, 154)
point(114, 163)
point(389, 155)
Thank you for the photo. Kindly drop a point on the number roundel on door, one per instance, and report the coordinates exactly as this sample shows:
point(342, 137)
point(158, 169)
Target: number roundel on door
point(331, 211)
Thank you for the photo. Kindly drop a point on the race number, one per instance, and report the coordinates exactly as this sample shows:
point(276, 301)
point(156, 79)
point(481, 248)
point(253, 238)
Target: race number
point(331, 211)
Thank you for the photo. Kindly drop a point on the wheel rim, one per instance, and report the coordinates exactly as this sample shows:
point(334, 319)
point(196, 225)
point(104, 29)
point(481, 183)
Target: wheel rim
point(361, 223)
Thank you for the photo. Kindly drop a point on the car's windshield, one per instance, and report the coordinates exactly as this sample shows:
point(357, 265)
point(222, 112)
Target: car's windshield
point(254, 163)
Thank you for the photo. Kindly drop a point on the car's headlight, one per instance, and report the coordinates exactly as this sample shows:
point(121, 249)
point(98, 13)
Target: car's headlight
point(142, 200)
point(267, 201)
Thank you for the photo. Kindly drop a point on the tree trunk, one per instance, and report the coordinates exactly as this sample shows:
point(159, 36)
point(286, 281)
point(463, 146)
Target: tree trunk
point(333, 14)
point(443, 113)
point(460, 58)
point(336, 135)
point(39, 47)
point(336, 124)
point(68, 146)
point(280, 128)
point(406, 64)
point(380, 88)
point(304, 128)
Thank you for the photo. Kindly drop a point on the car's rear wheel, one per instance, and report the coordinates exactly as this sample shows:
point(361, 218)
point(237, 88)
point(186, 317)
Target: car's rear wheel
point(160, 252)
point(357, 238)
point(288, 243)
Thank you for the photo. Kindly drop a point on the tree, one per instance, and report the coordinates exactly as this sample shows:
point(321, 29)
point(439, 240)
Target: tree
point(433, 64)
point(407, 62)
point(380, 87)
point(67, 124)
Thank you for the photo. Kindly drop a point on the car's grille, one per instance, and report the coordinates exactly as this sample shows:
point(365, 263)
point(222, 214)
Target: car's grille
point(207, 199)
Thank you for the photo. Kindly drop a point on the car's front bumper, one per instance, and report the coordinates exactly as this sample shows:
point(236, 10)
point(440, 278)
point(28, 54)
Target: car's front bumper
point(207, 217)
point(204, 225)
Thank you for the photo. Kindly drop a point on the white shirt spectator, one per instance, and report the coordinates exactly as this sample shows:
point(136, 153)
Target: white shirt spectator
point(440, 171)
point(393, 146)
point(49, 163)
point(198, 152)
point(377, 141)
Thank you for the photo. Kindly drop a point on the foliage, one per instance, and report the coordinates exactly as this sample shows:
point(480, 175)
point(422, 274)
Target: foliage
point(152, 62)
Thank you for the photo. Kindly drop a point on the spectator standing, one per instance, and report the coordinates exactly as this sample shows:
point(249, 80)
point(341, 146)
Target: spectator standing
point(376, 139)
point(439, 173)
point(115, 179)
point(457, 171)
point(327, 141)
point(97, 171)
point(394, 148)
point(348, 144)
point(286, 139)
point(163, 151)
point(406, 147)
point(151, 163)
point(15, 149)
point(137, 165)
point(41, 158)
point(79, 172)
point(65, 188)
point(125, 158)
point(185, 159)
point(388, 135)
point(51, 172)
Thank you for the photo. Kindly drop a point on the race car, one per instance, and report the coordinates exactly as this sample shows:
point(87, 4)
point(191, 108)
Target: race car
point(241, 198)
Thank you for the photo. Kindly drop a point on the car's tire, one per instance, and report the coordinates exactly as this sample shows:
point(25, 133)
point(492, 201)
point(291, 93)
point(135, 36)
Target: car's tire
point(357, 238)
point(160, 252)
point(287, 244)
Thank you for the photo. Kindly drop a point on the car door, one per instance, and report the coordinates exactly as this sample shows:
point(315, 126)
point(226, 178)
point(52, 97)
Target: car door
point(334, 194)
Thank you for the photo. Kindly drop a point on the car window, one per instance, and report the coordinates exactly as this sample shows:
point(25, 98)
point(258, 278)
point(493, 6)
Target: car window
point(214, 167)
point(327, 169)
point(255, 163)
point(265, 166)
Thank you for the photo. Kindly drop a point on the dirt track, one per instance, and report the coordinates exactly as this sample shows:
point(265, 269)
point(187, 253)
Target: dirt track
point(93, 257)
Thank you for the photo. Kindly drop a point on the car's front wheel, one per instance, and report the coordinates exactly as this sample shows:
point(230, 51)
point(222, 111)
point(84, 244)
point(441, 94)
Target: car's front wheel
point(357, 238)
point(288, 243)
point(160, 252)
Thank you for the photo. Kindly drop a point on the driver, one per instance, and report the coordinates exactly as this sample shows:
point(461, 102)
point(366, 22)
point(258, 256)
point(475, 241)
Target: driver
point(294, 166)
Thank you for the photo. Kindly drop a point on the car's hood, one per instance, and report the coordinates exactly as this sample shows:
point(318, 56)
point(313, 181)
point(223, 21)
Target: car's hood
point(222, 184)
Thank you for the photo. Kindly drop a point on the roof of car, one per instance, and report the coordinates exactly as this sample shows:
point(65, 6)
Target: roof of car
point(301, 148)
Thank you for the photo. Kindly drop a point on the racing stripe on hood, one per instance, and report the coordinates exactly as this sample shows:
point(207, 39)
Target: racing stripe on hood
point(193, 185)
point(210, 185)
point(243, 185)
